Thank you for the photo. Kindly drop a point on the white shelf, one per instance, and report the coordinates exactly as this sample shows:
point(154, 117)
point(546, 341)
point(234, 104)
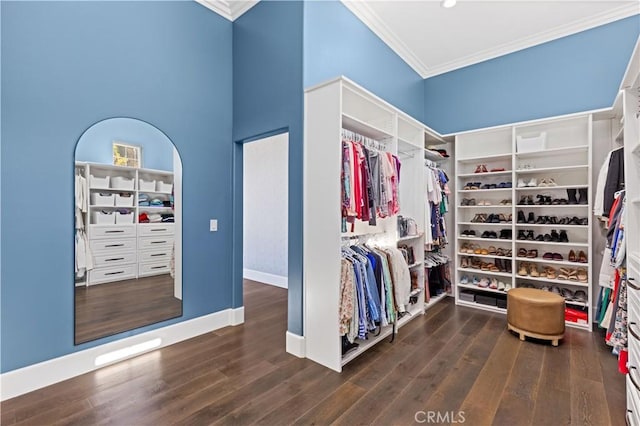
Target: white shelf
point(481, 306)
point(553, 151)
point(552, 262)
point(569, 244)
point(481, 272)
point(543, 188)
point(98, 189)
point(493, 206)
point(503, 224)
point(547, 225)
point(363, 128)
point(487, 174)
point(470, 191)
point(553, 206)
point(434, 156)
point(410, 237)
point(572, 324)
point(154, 192)
point(486, 158)
point(571, 302)
point(478, 288)
point(553, 169)
point(485, 239)
point(414, 312)
point(554, 281)
point(434, 300)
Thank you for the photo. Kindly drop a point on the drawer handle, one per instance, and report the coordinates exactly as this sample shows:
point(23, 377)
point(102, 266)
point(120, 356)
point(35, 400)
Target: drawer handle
point(162, 267)
point(114, 245)
point(629, 412)
point(158, 242)
point(633, 333)
point(114, 232)
point(156, 230)
point(158, 254)
point(632, 379)
point(114, 259)
point(630, 283)
point(114, 273)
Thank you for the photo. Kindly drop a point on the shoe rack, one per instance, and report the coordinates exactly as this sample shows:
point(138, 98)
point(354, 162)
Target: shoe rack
point(523, 213)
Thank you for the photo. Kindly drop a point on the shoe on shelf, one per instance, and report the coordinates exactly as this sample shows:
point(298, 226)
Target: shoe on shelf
point(522, 235)
point(582, 257)
point(582, 275)
point(493, 284)
point(522, 252)
point(497, 169)
point(547, 256)
point(522, 269)
point(555, 237)
point(541, 220)
point(521, 217)
point(531, 218)
point(532, 183)
point(523, 200)
point(464, 280)
point(507, 286)
point(572, 256)
point(484, 283)
point(533, 270)
point(475, 280)
point(563, 237)
point(584, 196)
point(551, 273)
point(532, 254)
point(501, 286)
point(530, 235)
point(521, 183)
point(479, 169)
point(558, 256)
point(580, 296)
point(571, 195)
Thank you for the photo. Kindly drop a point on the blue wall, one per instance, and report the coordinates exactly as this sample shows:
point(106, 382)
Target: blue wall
point(577, 73)
point(65, 66)
point(96, 144)
point(337, 43)
point(267, 99)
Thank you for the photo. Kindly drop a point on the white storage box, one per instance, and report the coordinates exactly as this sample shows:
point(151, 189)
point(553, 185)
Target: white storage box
point(100, 218)
point(123, 218)
point(147, 185)
point(98, 199)
point(124, 200)
point(163, 187)
point(531, 143)
point(99, 182)
point(119, 182)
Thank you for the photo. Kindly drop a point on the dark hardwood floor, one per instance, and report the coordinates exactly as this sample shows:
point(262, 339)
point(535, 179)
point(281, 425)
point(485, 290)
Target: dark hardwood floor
point(453, 359)
point(111, 308)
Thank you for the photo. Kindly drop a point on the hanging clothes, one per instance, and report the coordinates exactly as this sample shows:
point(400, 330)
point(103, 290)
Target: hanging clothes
point(436, 206)
point(610, 181)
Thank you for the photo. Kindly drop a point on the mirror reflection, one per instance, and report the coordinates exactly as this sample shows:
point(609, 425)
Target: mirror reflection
point(128, 257)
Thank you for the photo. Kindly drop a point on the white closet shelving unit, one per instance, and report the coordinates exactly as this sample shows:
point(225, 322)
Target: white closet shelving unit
point(123, 248)
point(329, 108)
point(565, 157)
point(631, 139)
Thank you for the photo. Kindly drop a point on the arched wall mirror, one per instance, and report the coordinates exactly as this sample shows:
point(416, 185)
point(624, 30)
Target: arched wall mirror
point(128, 233)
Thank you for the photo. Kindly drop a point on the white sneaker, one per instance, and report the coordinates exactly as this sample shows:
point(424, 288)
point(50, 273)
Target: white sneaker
point(521, 183)
point(532, 182)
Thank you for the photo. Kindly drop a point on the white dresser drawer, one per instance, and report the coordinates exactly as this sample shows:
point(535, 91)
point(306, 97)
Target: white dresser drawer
point(113, 245)
point(115, 258)
point(112, 273)
point(153, 229)
point(159, 255)
point(163, 242)
point(111, 231)
point(153, 268)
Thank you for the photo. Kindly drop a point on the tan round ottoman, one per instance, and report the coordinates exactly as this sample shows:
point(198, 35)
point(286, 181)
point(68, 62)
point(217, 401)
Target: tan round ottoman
point(536, 313)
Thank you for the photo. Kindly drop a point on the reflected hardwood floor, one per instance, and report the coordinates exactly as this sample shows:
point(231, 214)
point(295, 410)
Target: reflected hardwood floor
point(453, 358)
point(110, 308)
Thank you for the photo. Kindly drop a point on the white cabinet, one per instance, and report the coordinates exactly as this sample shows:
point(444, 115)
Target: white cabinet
point(524, 213)
point(330, 108)
point(119, 199)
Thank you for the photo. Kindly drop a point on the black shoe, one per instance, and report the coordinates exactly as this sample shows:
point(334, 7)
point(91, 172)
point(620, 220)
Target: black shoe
point(546, 238)
point(530, 235)
point(521, 218)
point(471, 233)
point(563, 238)
point(584, 196)
point(540, 200)
point(522, 235)
point(555, 237)
point(571, 195)
point(347, 346)
point(530, 200)
point(540, 237)
point(485, 234)
point(531, 218)
point(493, 234)
point(552, 220)
point(523, 200)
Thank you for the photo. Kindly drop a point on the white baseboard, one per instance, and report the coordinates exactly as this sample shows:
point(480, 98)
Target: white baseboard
point(236, 316)
point(266, 278)
point(296, 345)
point(36, 376)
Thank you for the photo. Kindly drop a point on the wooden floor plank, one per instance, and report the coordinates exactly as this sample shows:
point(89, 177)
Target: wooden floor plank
point(450, 359)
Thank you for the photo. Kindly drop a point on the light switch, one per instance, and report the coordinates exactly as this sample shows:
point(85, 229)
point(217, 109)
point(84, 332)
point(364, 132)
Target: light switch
point(213, 225)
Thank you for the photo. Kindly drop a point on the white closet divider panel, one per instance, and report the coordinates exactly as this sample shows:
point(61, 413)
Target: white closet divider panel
point(329, 108)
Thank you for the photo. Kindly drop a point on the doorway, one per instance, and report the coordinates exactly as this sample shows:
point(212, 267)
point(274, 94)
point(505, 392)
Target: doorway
point(265, 222)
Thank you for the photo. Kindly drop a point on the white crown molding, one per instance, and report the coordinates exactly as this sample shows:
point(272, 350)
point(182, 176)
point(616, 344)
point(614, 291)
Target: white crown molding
point(536, 39)
point(229, 9)
point(371, 19)
point(377, 25)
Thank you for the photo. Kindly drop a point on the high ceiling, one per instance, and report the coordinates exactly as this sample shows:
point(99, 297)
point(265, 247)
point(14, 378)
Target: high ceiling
point(434, 40)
